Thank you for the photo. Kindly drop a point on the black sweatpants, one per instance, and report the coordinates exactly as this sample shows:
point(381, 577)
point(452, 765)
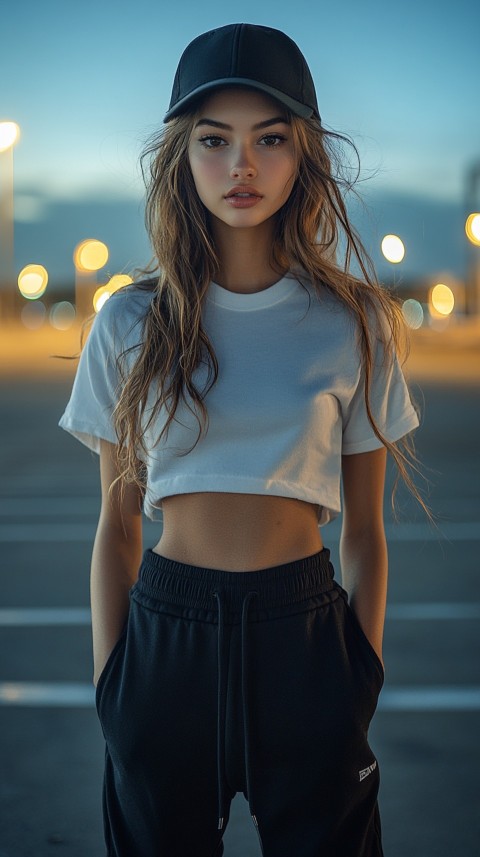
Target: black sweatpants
point(261, 682)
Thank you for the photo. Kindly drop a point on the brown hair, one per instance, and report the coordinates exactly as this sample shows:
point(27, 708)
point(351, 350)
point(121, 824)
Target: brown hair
point(308, 230)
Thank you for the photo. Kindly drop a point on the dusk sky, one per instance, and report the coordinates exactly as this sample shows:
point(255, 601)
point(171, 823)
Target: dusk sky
point(89, 83)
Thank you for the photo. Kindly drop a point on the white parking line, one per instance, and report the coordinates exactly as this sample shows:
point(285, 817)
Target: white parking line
point(430, 699)
point(42, 694)
point(32, 616)
point(392, 699)
point(434, 610)
point(35, 616)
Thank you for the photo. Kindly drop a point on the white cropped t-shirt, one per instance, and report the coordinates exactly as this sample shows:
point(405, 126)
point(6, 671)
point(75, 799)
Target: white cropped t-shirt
point(288, 402)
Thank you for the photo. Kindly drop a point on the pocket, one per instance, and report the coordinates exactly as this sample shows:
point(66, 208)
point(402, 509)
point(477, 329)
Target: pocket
point(108, 668)
point(365, 645)
point(363, 639)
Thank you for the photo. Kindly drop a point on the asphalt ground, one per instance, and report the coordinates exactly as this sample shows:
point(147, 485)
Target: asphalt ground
point(425, 732)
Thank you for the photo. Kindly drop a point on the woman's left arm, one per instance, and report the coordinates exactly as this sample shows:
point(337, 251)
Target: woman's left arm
point(363, 547)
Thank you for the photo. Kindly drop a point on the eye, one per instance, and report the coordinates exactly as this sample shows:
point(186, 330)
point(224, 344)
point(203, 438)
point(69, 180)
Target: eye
point(273, 140)
point(211, 141)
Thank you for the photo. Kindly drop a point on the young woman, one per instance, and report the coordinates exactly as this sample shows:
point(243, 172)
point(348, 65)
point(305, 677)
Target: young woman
point(233, 391)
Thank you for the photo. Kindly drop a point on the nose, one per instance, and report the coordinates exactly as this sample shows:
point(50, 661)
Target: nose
point(243, 166)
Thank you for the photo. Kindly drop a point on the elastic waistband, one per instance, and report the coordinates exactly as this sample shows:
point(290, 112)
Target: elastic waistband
point(279, 586)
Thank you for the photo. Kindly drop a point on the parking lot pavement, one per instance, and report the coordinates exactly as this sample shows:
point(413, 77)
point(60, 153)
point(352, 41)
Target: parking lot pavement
point(425, 733)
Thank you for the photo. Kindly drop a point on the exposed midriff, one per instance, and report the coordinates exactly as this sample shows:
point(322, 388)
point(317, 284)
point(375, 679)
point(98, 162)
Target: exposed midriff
point(237, 532)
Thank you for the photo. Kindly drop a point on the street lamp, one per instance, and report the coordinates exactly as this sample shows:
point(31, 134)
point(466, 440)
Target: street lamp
point(442, 299)
point(472, 228)
point(90, 255)
point(9, 134)
point(32, 281)
point(393, 249)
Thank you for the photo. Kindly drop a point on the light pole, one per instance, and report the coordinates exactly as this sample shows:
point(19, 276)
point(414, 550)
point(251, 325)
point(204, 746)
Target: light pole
point(472, 228)
point(9, 134)
point(393, 249)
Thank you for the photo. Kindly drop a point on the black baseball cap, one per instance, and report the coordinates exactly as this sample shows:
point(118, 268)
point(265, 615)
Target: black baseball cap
point(244, 55)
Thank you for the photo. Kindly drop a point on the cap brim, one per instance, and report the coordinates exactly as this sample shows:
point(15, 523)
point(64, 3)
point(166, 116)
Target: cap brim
point(296, 107)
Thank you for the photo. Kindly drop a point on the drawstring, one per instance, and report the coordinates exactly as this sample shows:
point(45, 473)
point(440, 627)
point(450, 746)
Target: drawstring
point(221, 714)
point(246, 719)
point(222, 701)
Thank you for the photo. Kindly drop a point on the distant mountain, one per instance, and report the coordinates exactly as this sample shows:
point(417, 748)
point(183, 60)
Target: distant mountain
point(433, 233)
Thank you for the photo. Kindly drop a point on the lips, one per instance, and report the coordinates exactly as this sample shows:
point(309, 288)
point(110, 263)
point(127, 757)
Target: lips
point(243, 192)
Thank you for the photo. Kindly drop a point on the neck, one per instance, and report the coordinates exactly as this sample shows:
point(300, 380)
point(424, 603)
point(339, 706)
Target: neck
point(244, 254)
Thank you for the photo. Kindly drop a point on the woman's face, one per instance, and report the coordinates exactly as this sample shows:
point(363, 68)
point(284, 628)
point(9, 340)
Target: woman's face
point(241, 157)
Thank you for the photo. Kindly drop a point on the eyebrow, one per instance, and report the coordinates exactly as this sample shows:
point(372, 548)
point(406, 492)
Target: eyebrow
point(265, 124)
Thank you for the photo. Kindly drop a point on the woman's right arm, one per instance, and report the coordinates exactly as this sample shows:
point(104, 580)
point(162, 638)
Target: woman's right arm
point(116, 558)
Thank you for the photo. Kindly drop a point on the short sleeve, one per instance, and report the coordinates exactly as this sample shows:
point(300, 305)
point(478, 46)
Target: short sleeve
point(88, 415)
point(390, 403)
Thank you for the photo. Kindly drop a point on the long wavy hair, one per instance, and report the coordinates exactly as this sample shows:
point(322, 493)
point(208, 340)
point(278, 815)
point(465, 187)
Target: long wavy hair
point(309, 229)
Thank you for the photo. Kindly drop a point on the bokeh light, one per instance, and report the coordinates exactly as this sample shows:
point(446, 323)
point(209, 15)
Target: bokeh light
point(472, 228)
point(33, 315)
point(393, 248)
point(32, 281)
point(100, 297)
point(103, 293)
point(413, 313)
point(9, 134)
point(62, 315)
point(90, 255)
point(117, 282)
point(442, 299)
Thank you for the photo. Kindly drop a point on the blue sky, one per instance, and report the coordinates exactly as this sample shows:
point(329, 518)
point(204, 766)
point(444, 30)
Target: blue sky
point(88, 83)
